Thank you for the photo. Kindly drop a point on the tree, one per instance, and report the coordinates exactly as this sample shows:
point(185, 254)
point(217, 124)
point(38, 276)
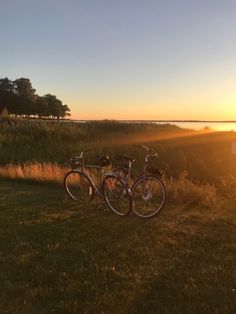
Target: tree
point(20, 98)
point(6, 85)
point(26, 96)
point(55, 107)
point(6, 93)
point(41, 107)
point(65, 111)
point(23, 87)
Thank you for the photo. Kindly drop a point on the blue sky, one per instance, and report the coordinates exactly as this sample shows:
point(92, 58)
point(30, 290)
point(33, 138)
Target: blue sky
point(126, 59)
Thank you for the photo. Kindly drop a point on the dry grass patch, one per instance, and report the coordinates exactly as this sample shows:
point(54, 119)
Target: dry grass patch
point(184, 190)
point(40, 172)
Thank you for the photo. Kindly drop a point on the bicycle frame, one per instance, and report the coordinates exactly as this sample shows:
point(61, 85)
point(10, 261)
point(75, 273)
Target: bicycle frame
point(103, 173)
point(145, 166)
point(97, 188)
point(106, 184)
point(82, 168)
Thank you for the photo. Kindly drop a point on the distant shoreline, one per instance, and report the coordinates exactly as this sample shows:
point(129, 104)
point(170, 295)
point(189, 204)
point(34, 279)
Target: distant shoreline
point(156, 121)
point(118, 120)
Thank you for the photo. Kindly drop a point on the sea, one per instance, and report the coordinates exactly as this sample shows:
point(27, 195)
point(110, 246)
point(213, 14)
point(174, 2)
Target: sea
point(197, 125)
point(217, 126)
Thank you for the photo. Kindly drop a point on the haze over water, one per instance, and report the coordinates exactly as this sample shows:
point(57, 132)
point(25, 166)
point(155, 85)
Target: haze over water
point(217, 126)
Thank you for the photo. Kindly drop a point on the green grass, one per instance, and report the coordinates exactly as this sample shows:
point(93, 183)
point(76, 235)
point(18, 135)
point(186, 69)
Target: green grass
point(206, 157)
point(45, 141)
point(59, 257)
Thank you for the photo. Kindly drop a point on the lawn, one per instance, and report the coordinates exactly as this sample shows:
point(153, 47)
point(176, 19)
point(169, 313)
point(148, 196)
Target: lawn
point(59, 257)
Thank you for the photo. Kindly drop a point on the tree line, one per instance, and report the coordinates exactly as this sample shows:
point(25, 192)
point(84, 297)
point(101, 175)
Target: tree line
point(19, 98)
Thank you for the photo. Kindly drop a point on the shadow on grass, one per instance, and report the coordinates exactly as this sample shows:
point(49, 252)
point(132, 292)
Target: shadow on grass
point(59, 257)
point(198, 277)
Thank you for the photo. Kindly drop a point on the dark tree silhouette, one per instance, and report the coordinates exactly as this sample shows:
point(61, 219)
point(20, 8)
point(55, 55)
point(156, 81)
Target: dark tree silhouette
point(20, 98)
point(6, 94)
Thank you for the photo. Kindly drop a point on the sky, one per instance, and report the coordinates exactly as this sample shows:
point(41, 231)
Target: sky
point(125, 59)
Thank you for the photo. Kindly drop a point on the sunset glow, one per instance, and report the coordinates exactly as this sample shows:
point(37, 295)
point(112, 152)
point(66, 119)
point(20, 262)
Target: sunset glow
point(128, 59)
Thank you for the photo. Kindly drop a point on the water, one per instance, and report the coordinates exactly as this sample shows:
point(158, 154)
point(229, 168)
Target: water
point(217, 126)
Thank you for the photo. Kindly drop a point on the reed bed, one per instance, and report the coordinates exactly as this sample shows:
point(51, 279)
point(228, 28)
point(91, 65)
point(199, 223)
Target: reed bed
point(206, 156)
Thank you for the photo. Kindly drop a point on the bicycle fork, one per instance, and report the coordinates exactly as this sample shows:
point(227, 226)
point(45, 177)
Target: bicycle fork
point(145, 191)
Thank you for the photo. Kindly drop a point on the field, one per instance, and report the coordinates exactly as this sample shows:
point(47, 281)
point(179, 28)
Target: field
point(57, 257)
point(205, 155)
point(60, 257)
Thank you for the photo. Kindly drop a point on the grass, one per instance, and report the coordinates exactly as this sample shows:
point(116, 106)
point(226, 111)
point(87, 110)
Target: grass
point(34, 171)
point(180, 190)
point(59, 257)
point(206, 156)
point(56, 142)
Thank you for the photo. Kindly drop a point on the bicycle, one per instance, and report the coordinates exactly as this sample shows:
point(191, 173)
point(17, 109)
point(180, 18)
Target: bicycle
point(148, 192)
point(81, 187)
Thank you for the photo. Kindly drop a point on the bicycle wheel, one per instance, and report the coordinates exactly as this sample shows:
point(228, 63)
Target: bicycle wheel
point(79, 186)
point(148, 195)
point(117, 195)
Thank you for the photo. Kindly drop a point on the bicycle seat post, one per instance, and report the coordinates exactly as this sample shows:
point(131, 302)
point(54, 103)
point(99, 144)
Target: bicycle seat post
point(82, 161)
point(129, 171)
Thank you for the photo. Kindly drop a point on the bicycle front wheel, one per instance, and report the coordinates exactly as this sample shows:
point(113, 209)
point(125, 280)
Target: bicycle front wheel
point(79, 186)
point(149, 196)
point(117, 195)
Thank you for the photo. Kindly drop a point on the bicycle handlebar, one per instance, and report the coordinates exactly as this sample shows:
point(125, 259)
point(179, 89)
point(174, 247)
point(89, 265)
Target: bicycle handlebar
point(83, 152)
point(151, 153)
point(77, 158)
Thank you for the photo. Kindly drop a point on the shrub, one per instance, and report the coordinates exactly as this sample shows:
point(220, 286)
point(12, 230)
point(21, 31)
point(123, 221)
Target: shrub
point(183, 190)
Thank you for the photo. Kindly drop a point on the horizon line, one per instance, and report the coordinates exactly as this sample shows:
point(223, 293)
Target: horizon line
point(160, 120)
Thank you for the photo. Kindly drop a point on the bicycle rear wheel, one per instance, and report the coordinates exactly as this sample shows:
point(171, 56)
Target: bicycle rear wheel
point(117, 195)
point(149, 196)
point(79, 186)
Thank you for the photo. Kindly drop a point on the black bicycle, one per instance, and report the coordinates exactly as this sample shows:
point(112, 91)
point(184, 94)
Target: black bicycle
point(85, 181)
point(148, 190)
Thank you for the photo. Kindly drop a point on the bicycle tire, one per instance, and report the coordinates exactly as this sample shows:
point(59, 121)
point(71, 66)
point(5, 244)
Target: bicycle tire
point(116, 194)
point(79, 186)
point(148, 200)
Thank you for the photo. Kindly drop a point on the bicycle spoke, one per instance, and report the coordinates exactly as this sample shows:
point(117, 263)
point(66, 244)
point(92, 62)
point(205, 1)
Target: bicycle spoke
point(116, 195)
point(148, 196)
point(79, 187)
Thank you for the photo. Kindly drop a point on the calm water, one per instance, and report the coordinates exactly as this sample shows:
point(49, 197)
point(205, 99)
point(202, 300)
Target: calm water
point(212, 125)
point(218, 126)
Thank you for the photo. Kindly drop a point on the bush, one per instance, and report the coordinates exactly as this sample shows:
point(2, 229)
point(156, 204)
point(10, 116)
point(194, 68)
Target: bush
point(183, 190)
